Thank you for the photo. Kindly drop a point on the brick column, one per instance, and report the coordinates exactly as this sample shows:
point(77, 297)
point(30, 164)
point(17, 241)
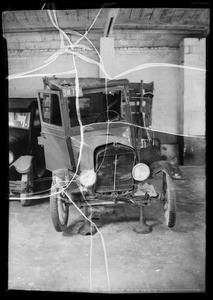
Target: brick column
point(107, 52)
point(193, 90)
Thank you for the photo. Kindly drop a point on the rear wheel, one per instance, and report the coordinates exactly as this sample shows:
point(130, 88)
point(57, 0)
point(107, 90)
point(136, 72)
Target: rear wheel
point(169, 200)
point(59, 209)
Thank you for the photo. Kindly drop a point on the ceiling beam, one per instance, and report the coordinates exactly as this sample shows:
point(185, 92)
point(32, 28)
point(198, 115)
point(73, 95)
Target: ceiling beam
point(111, 17)
point(195, 31)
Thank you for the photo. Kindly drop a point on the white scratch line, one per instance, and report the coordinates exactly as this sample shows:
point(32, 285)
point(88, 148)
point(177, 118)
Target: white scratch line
point(102, 238)
point(80, 153)
point(78, 41)
point(148, 128)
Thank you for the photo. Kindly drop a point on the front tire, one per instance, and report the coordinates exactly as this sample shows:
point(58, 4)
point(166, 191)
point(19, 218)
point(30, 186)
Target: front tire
point(169, 200)
point(59, 209)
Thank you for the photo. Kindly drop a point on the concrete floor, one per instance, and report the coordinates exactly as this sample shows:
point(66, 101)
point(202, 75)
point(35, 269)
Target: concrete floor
point(165, 260)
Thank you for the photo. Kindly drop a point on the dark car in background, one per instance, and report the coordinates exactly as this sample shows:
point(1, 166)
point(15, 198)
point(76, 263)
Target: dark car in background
point(26, 157)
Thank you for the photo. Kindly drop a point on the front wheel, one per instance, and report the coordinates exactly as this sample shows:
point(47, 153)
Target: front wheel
point(169, 200)
point(59, 209)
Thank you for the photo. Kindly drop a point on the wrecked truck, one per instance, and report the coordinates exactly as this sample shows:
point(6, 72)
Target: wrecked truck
point(100, 149)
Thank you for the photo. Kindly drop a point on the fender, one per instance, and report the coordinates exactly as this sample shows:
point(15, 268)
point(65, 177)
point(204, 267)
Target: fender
point(165, 166)
point(23, 164)
point(63, 177)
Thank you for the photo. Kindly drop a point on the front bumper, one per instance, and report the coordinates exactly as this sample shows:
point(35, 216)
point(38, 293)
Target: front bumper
point(110, 200)
point(141, 194)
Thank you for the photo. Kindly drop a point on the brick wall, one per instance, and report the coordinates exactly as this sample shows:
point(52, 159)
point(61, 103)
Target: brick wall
point(27, 51)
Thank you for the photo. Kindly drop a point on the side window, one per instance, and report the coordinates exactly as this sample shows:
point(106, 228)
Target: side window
point(123, 105)
point(50, 109)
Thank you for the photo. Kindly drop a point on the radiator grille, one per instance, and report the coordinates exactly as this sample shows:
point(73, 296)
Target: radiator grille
point(114, 168)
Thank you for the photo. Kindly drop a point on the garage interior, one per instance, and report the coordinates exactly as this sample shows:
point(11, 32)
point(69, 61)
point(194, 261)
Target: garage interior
point(169, 47)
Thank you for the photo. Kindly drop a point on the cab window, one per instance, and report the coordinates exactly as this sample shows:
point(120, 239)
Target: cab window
point(92, 107)
point(50, 109)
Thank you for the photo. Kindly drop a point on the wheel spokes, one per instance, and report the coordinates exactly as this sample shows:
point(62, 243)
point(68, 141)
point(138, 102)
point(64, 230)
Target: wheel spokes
point(62, 210)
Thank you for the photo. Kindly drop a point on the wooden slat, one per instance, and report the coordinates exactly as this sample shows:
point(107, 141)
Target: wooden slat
point(72, 16)
point(204, 16)
point(110, 20)
point(135, 14)
point(167, 15)
point(101, 20)
point(20, 19)
point(33, 19)
point(9, 20)
point(178, 14)
point(124, 14)
point(15, 18)
point(188, 15)
point(146, 14)
point(172, 18)
point(44, 19)
point(156, 15)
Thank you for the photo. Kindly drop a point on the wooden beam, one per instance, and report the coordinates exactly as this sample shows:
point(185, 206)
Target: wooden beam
point(153, 25)
point(146, 14)
point(111, 17)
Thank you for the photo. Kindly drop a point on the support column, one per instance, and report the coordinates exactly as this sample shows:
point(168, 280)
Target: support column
point(107, 52)
point(193, 54)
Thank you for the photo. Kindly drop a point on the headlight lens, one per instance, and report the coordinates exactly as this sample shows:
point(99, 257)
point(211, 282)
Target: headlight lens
point(61, 182)
point(11, 157)
point(140, 172)
point(87, 178)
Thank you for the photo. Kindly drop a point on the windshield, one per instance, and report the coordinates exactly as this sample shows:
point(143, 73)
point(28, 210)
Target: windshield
point(96, 107)
point(19, 119)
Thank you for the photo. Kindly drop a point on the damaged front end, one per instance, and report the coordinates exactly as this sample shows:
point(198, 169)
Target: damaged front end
point(117, 178)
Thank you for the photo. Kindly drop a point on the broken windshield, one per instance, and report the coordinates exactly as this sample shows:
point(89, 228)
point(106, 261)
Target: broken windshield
point(95, 107)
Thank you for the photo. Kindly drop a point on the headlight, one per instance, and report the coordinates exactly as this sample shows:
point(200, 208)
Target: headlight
point(61, 182)
point(140, 172)
point(11, 157)
point(87, 178)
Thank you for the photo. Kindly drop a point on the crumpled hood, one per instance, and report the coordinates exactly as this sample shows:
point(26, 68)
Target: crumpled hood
point(94, 139)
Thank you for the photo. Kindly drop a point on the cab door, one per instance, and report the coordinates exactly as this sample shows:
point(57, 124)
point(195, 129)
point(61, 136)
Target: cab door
point(53, 137)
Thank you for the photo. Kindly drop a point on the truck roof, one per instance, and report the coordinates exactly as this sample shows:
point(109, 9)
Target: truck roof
point(84, 83)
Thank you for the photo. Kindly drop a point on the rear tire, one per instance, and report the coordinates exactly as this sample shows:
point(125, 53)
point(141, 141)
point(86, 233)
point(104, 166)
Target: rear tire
point(169, 200)
point(59, 209)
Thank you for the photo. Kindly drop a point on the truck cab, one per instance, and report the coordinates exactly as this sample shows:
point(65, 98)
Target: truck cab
point(98, 142)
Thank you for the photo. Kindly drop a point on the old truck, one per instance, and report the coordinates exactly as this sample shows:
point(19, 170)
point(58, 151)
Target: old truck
point(98, 144)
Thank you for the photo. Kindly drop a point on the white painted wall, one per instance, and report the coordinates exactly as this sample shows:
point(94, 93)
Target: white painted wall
point(27, 51)
point(194, 85)
point(166, 79)
point(27, 87)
